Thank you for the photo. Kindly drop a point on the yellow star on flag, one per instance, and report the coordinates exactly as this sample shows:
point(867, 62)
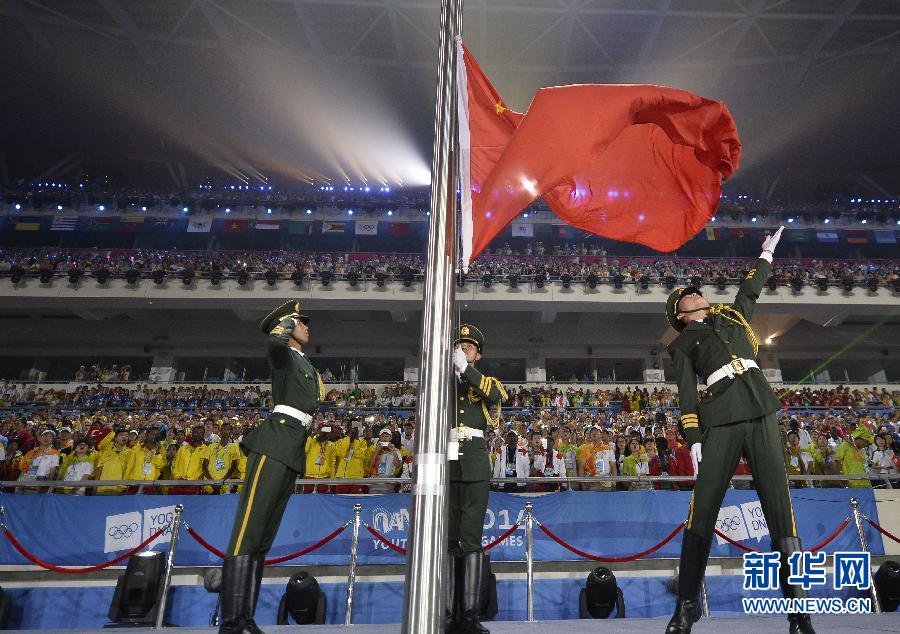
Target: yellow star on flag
point(499, 107)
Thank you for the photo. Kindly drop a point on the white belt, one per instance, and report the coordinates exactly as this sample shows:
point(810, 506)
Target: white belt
point(293, 412)
point(731, 370)
point(461, 432)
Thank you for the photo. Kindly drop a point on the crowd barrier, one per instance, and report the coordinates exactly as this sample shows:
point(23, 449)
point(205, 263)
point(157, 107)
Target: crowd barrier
point(625, 522)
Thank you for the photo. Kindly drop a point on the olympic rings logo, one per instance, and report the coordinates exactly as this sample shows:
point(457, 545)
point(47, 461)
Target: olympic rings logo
point(123, 531)
point(729, 523)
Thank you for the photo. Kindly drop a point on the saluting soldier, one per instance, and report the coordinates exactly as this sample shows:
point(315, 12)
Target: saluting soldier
point(736, 417)
point(478, 399)
point(275, 458)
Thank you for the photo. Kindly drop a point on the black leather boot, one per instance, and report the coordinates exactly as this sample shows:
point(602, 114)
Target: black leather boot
point(798, 622)
point(260, 566)
point(692, 567)
point(470, 603)
point(454, 595)
point(237, 595)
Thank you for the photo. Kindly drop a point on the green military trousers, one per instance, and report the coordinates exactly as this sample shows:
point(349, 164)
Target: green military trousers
point(267, 489)
point(468, 504)
point(759, 439)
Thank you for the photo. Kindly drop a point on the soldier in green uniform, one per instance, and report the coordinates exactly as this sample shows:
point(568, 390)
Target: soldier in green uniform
point(477, 398)
point(275, 458)
point(735, 417)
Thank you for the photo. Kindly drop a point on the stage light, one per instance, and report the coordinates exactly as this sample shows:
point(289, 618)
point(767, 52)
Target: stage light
point(721, 282)
point(872, 283)
point(896, 284)
point(848, 284)
point(103, 276)
point(601, 595)
point(268, 210)
point(302, 600)
point(102, 207)
point(145, 209)
point(618, 280)
point(297, 277)
point(822, 283)
point(308, 211)
point(45, 276)
point(696, 281)
point(5, 609)
point(74, 276)
point(243, 277)
point(592, 281)
point(887, 583)
point(18, 207)
point(59, 208)
point(644, 282)
point(827, 221)
point(16, 274)
point(187, 277)
point(540, 280)
point(797, 283)
point(158, 276)
point(380, 279)
point(670, 282)
point(566, 280)
point(486, 280)
point(131, 276)
point(215, 277)
point(772, 283)
point(753, 219)
point(513, 280)
point(353, 278)
point(461, 279)
point(790, 220)
point(134, 601)
point(271, 277)
point(407, 279)
point(325, 278)
point(184, 209)
point(390, 213)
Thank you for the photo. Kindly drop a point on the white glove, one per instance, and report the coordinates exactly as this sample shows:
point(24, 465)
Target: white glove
point(460, 363)
point(696, 457)
point(770, 243)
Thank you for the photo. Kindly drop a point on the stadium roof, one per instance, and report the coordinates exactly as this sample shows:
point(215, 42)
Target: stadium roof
point(292, 87)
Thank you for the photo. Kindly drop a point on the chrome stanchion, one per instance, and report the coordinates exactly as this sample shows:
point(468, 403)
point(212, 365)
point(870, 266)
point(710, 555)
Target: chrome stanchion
point(864, 546)
point(704, 598)
point(529, 558)
point(354, 552)
point(170, 564)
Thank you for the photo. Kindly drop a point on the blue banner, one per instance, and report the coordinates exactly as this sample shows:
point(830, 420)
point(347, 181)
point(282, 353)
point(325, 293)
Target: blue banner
point(67, 530)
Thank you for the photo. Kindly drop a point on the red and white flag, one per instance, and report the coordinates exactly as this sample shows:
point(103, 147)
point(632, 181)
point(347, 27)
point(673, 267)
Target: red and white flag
point(637, 163)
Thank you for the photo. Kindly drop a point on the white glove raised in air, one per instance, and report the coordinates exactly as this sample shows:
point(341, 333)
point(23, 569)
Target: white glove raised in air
point(770, 243)
point(460, 363)
point(696, 457)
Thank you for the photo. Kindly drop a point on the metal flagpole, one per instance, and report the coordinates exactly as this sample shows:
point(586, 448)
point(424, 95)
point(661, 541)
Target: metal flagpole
point(423, 597)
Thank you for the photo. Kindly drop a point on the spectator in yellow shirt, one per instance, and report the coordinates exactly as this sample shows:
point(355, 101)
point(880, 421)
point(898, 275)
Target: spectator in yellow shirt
point(189, 462)
point(112, 462)
point(222, 459)
point(351, 453)
point(145, 463)
point(319, 460)
point(41, 463)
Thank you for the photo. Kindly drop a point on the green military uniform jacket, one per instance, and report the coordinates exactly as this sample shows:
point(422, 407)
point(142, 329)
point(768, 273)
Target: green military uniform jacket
point(477, 399)
point(295, 382)
point(704, 347)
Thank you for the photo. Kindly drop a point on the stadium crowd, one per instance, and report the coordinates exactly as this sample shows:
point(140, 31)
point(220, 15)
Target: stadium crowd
point(192, 433)
point(572, 262)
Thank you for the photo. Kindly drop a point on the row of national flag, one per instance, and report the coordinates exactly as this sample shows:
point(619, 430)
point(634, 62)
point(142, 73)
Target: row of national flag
point(201, 224)
point(828, 236)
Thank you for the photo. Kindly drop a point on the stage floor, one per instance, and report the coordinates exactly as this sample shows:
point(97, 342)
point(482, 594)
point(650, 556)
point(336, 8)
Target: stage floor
point(856, 623)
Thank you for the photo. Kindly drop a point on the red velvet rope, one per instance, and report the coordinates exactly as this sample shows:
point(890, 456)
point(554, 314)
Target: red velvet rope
point(611, 560)
point(277, 560)
point(818, 546)
point(77, 571)
point(883, 531)
point(497, 541)
point(385, 541)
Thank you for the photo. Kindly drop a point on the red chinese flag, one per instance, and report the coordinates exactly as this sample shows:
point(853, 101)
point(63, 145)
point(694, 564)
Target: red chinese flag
point(636, 163)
